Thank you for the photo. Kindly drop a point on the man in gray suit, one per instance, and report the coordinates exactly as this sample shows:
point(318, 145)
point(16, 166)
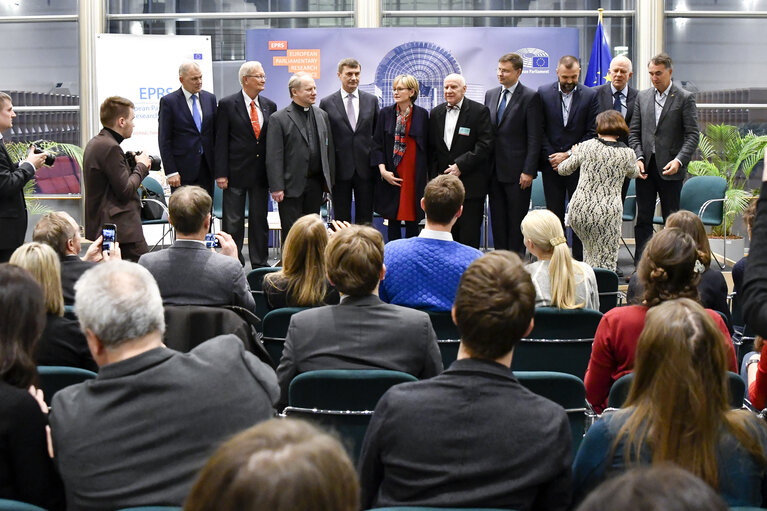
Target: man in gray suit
point(362, 332)
point(300, 159)
point(190, 273)
point(664, 135)
point(140, 432)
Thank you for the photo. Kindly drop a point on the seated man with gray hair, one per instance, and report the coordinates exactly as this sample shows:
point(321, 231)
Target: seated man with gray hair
point(138, 434)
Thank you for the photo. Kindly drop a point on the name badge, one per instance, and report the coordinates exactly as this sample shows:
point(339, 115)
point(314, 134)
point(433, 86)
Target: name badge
point(464, 131)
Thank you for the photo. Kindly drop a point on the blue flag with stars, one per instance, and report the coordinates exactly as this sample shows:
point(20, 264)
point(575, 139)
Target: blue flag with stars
point(599, 62)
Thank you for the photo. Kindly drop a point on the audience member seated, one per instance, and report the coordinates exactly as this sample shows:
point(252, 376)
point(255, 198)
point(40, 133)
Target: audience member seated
point(189, 273)
point(362, 332)
point(712, 287)
point(60, 231)
point(26, 471)
point(678, 411)
point(138, 434)
point(559, 280)
point(62, 342)
point(737, 270)
point(664, 487)
point(757, 374)
point(666, 271)
point(754, 297)
point(301, 282)
point(473, 436)
point(423, 272)
point(278, 465)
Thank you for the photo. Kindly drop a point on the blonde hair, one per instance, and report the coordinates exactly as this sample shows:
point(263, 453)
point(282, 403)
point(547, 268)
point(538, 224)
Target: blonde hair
point(544, 230)
point(42, 262)
point(410, 82)
point(303, 263)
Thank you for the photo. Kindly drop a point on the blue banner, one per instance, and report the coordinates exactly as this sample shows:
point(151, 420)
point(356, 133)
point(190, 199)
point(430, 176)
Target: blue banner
point(599, 61)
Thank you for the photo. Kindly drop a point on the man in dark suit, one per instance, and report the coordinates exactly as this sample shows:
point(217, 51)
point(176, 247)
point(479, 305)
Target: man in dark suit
point(13, 177)
point(216, 279)
point(569, 117)
point(515, 111)
point(111, 186)
point(353, 115)
point(664, 135)
point(186, 135)
point(300, 155)
point(241, 124)
point(460, 143)
point(473, 437)
point(362, 332)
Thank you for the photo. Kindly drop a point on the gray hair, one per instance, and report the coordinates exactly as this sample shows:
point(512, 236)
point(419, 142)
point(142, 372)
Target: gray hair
point(296, 80)
point(622, 58)
point(188, 66)
point(456, 76)
point(119, 301)
point(248, 68)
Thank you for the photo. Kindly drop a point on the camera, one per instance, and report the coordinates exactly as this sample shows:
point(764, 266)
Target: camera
point(50, 158)
point(155, 161)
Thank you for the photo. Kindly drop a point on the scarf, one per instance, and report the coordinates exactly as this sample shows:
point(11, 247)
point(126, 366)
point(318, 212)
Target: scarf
point(400, 131)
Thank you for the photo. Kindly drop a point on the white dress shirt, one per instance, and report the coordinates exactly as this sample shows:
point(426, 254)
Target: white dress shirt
point(624, 98)
point(508, 98)
point(436, 235)
point(566, 98)
point(451, 119)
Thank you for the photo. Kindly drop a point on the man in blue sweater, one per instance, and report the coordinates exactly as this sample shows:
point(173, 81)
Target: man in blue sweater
point(423, 272)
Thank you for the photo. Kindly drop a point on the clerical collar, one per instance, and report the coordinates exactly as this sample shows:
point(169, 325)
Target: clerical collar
point(117, 136)
point(304, 108)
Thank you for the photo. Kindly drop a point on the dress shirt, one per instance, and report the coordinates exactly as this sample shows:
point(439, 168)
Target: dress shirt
point(508, 98)
point(624, 98)
point(451, 119)
point(258, 108)
point(566, 98)
point(436, 235)
point(660, 101)
point(188, 95)
point(355, 102)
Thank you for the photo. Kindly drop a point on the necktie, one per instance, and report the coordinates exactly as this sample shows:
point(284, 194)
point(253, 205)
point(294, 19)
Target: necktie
point(196, 113)
point(254, 119)
point(502, 106)
point(617, 102)
point(350, 111)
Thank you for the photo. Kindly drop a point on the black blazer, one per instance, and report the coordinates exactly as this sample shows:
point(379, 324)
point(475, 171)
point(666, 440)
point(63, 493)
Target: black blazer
point(470, 151)
point(581, 121)
point(240, 156)
point(72, 268)
point(518, 137)
point(13, 215)
point(179, 140)
point(605, 102)
point(352, 146)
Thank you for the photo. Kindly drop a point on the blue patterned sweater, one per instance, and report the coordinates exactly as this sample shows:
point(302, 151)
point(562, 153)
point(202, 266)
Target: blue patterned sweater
point(424, 272)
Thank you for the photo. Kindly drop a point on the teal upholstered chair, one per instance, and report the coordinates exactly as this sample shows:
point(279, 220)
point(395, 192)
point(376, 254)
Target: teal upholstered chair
point(15, 505)
point(448, 336)
point(607, 283)
point(620, 390)
point(275, 328)
point(55, 378)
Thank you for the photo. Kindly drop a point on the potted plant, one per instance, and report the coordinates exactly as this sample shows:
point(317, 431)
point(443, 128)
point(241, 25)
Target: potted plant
point(728, 154)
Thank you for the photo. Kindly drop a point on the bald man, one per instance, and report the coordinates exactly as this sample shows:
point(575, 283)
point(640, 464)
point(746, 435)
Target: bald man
point(461, 143)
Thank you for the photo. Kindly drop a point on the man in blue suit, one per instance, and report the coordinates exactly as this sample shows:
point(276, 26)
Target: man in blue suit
point(569, 117)
point(187, 133)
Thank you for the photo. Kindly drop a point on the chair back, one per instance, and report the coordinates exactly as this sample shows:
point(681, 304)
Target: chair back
point(69, 312)
point(537, 197)
point(448, 336)
point(55, 378)
point(704, 196)
point(566, 390)
point(607, 284)
point(448, 348)
point(152, 508)
point(620, 390)
point(630, 202)
point(553, 323)
point(218, 202)
point(256, 277)
point(419, 508)
point(275, 329)
point(15, 505)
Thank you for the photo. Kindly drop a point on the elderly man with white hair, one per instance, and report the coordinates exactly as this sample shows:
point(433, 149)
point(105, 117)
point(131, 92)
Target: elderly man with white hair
point(460, 143)
point(138, 434)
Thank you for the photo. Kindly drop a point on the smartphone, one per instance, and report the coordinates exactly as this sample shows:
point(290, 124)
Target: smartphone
point(108, 233)
point(211, 241)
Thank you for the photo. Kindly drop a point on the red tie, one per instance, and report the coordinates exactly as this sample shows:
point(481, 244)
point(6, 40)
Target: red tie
point(254, 119)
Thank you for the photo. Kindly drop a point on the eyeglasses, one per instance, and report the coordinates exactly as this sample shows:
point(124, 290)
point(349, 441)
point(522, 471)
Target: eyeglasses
point(401, 89)
point(257, 77)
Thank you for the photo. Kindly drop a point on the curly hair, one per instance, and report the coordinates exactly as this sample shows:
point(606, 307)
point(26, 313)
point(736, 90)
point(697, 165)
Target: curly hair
point(667, 267)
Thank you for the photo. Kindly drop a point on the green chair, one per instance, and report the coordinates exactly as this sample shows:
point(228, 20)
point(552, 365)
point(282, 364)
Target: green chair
point(746, 508)
point(448, 348)
point(417, 508)
point(275, 328)
point(151, 508)
point(256, 277)
point(448, 336)
point(566, 390)
point(218, 204)
point(620, 390)
point(69, 312)
point(15, 505)
point(55, 378)
point(630, 209)
point(607, 283)
point(537, 197)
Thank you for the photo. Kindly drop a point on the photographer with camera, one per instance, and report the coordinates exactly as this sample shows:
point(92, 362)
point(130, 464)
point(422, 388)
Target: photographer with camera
point(13, 177)
point(112, 181)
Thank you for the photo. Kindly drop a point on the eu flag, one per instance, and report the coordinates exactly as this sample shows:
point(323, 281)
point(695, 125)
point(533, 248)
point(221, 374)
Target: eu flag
point(599, 62)
point(540, 62)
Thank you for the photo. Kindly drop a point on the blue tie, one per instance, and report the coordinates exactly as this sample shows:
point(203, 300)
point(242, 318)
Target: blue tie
point(617, 103)
point(196, 113)
point(501, 107)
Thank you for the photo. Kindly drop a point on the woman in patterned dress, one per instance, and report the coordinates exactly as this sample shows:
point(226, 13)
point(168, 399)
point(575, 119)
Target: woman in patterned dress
point(596, 209)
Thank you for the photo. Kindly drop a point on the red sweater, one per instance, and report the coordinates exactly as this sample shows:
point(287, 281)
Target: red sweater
point(757, 391)
point(614, 349)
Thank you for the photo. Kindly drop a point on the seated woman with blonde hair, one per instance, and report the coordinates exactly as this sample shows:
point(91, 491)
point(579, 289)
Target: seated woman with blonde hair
point(559, 280)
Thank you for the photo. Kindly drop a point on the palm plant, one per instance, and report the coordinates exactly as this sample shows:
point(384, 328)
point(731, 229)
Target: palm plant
point(728, 154)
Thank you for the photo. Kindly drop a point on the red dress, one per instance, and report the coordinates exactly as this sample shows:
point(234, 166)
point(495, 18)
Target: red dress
point(406, 171)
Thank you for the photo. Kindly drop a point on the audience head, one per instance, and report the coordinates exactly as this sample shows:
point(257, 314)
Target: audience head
point(443, 198)
point(189, 210)
point(689, 222)
point(545, 238)
point(119, 302)
point(408, 82)
point(22, 320)
point(279, 465)
point(494, 305)
point(59, 231)
point(662, 487)
point(354, 258)
point(42, 262)
point(667, 267)
point(303, 262)
point(611, 123)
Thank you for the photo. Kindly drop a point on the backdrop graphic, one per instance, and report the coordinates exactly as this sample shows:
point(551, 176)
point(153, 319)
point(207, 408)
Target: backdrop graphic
point(429, 54)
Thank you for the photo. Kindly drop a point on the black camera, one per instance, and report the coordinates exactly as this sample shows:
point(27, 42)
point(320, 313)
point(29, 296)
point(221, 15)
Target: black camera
point(154, 164)
point(50, 159)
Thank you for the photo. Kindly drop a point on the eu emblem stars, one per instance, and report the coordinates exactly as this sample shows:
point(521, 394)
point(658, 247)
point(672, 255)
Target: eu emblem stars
point(540, 62)
point(198, 56)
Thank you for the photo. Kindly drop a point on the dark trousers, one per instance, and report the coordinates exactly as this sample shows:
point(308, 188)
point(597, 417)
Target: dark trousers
point(468, 228)
point(363, 200)
point(508, 206)
point(5, 254)
point(204, 179)
point(233, 221)
point(293, 208)
point(132, 251)
point(556, 189)
point(669, 193)
point(394, 230)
